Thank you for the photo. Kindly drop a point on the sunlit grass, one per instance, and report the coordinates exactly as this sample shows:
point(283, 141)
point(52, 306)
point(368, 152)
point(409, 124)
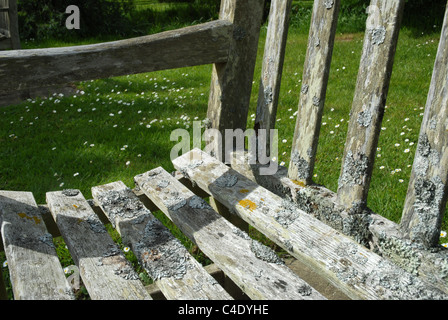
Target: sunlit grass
point(114, 129)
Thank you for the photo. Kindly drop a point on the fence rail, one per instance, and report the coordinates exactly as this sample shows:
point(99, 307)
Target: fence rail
point(196, 45)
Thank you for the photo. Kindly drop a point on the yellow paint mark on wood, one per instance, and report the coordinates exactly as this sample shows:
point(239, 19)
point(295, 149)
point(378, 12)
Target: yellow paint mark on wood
point(245, 203)
point(34, 218)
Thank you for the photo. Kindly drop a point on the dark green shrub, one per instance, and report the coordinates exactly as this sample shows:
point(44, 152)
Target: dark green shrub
point(46, 18)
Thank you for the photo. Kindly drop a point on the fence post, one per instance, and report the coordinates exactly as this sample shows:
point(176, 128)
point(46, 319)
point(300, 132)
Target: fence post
point(14, 24)
point(231, 83)
point(271, 73)
point(427, 192)
point(9, 24)
point(380, 42)
point(314, 88)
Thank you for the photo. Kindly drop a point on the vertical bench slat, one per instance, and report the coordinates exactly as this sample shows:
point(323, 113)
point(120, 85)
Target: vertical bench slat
point(231, 82)
point(427, 192)
point(177, 274)
point(314, 88)
point(228, 247)
point(271, 73)
point(34, 267)
point(104, 269)
point(367, 112)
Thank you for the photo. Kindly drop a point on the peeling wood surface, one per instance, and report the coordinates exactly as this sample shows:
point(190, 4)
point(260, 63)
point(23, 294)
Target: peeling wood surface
point(380, 41)
point(36, 273)
point(104, 269)
point(314, 89)
point(272, 67)
point(231, 82)
point(372, 230)
point(196, 45)
point(255, 268)
point(427, 192)
point(358, 272)
point(178, 275)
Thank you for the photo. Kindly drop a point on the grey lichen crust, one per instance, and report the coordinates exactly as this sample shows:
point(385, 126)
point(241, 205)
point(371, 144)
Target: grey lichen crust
point(428, 194)
point(302, 166)
point(378, 35)
point(261, 251)
point(124, 204)
point(123, 268)
point(288, 213)
point(161, 254)
point(354, 169)
point(387, 279)
point(364, 118)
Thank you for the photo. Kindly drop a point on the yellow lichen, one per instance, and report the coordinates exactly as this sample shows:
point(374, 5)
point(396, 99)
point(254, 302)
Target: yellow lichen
point(245, 203)
point(299, 183)
point(34, 218)
point(244, 191)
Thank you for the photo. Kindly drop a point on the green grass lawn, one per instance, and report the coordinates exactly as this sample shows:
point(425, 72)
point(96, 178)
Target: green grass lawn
point(114, 129)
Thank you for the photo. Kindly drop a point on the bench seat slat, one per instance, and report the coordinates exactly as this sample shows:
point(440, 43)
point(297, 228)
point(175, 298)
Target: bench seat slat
point(178, 275)
point(255, 268)
point(358, 272)
point(35, 270)
point(103, 267)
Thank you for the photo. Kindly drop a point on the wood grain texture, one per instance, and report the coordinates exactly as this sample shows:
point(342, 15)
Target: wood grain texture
point(105, 271)
point(371, 91)
point(14, 25)
point(178, 275)
point(314, 88)
point(358, 272)
point(272, 67)
point(200, 44)
point(231, 83)
point(367, 228)
point(255, 268)
point(35, 270)
point(427, 192)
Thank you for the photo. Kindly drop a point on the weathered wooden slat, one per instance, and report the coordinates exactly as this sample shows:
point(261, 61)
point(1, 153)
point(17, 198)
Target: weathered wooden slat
point(14, 25)
point(178, 275)
point(35, 270)
point(6, 9)
point(103, 267)
point(200, 44)
point(231, 82)
point(255, 268)
point(372, 230)
point(367, 112)
point(314, 88)
point(427, 192)
point(272, 67)
point(358, 272)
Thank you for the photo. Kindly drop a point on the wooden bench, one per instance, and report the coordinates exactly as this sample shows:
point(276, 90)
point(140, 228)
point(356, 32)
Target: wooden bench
point(359, 253)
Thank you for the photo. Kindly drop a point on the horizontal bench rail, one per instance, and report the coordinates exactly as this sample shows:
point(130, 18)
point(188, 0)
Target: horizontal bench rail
point(196, 45)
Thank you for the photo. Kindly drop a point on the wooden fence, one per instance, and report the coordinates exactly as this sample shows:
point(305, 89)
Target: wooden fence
point(230, 44)
point(9, 25)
